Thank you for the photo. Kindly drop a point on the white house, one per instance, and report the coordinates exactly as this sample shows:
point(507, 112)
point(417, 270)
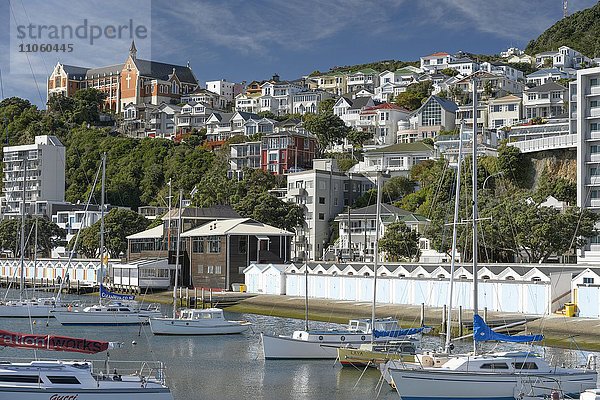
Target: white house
point(544, 101)
point(435, 115)
point(436, 61)
point(504, 111)
point(502, 69)
point(396, 159)
point(307, 101)
point(276, 96)
point(542, 76)
point(464, 66)
point(382, 122)
point(162, 121)
point(247, 103)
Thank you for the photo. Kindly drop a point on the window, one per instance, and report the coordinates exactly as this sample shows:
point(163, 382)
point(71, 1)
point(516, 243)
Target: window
point(594, 103)
point(525, 365)
point(594, 171)
point(511, 107)
point(218, 269)
point(321, 216)
point(588, 280)
point(198, 245)
point(243, 245)
point(20, 378)
point(594, 149)
point(494, 366)
point(594, 126)
point(594, 82)
point(321, 200)
point(595, 194)
point(200, 269)
point(214, 244)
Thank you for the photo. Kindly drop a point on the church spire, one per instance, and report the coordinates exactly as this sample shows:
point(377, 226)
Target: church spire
point(133, 50)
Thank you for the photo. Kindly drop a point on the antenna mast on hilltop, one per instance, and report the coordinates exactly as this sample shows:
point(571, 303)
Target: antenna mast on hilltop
point(565, 8)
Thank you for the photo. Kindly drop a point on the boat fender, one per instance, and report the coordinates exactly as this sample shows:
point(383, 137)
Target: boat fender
point(362, 337)
point(343, 338)
point(320, 337)
point(69, 308)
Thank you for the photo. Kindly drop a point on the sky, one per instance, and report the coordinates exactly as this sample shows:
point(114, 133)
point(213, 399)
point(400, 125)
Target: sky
point(241, 40)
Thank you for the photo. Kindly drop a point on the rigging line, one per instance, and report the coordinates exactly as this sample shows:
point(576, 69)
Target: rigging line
point(12, 11)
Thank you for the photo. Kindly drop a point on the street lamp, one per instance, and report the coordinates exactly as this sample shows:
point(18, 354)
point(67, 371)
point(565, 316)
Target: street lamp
point(490, 176)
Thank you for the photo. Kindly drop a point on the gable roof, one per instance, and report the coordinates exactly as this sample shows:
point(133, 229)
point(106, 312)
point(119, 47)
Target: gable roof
point(214, 212)
point(446, 104)
point(438, 54)
point(237, 226)
point(163, 71)
point(358, 103)
point(550, 86)
point(546, 71)
point(153, 233)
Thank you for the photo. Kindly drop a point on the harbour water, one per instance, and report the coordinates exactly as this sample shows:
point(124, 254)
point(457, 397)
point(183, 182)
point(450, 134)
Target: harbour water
point(232, 367)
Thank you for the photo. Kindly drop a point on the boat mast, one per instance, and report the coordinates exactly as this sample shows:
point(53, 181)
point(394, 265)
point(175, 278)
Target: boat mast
point(35, 255)
point(177, 253)
point(23, 205)
point(475, 213)
point(379, 178)
point(454, 240)
point(102, 223)
point(306, 296)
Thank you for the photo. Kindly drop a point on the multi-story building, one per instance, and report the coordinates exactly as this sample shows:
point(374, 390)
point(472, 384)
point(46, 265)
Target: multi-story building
point(276, 96)
point(135, 81)
point(381, 121)
point(227, 90)
point(287, 151)
point(307, 101)
point(393, 83)
point(201, 95)
point(335, 83)
point(435, 115)
point(544, 101)
point(162, 121)
point(585, 101)
point(247, 103)
point(505, 111)
point(36, 170)
point(193, 116)
point(502, 69)
point(243, 155)
point(564, 57)
point(222, 126)
point(489, 85)
point(262, 126)
point(464, 66)
point(436, 61)
point(349, 109)
point(542, 76)
point(395, 160)
point(366, 78)
point(323, 192)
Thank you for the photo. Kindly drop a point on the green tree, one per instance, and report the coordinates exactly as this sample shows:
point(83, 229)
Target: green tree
point(400, 242)
point(415, 95)
point(449, 71)
point(327, 127)
point(358, 137)
point(514, 166)
point(49, 235)
point(118, 224)
point(268, 209)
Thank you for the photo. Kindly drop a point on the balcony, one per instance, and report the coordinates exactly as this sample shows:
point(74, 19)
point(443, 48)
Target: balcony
point(297, 192)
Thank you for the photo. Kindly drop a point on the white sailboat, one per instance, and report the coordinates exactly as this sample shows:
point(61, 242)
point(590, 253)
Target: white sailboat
point(81, 380)
point(120, 311)
point(193, 321)
point(324, 344)
point(494, 376)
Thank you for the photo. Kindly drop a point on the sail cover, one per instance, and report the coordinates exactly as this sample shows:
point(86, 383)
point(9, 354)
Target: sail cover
point(482, 332)
point(399, 332)
point(51, 342)
point(105, 294)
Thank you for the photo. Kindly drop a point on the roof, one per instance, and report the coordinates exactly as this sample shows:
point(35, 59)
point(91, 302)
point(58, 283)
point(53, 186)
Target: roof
point(387, 106)
point(152, 233)
point(74, 71)
point(114, 69)
point(446, 104)
point(547, 87)
point(222, 117)
point(509, 98)
point(385, 209)
point(214, 212)
point(546, 71)
point(462, 61)
point(402, 148)
point(404, 71)
point(163, 71)
point(246, 115)
point(288, 122)
point(438, 54)
point(238, 226)
point(358, 103)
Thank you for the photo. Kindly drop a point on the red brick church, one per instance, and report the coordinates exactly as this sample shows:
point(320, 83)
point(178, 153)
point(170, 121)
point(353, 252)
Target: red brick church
point(135, 81)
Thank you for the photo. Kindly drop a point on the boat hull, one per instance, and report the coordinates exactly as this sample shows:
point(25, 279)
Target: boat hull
point(14, 311)
point(454, 385)
point(134, 393)
point(175, 326)
point(286, 347)
point(360, 357)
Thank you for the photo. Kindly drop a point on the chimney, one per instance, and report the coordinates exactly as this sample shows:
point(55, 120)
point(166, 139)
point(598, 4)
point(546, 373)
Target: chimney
point(275, 78)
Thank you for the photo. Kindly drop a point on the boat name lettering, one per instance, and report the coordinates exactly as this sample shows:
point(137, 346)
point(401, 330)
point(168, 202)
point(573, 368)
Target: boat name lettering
point(64, 397)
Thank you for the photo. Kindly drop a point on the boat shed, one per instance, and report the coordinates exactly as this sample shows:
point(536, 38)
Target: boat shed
point(585, 287)
point(147, 273)
point(265, 278)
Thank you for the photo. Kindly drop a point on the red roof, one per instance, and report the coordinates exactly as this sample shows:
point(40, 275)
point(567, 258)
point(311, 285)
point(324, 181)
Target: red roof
point(438, 54)
point(387, 106)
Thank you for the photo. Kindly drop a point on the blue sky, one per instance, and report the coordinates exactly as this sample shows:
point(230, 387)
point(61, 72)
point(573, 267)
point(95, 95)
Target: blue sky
point(246, 40)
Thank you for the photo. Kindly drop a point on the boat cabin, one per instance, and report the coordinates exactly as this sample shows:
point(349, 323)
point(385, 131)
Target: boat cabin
point(209, 313)
point(509, 362)
point(381, 324)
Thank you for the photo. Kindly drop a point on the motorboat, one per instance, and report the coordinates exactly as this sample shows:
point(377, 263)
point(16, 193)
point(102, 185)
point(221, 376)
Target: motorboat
point(210, 321)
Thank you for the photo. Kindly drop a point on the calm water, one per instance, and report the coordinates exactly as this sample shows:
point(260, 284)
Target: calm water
point(231, 367)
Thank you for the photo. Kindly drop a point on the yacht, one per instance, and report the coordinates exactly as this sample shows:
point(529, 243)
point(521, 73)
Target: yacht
point(114, 313)
point(54, 380)
point(208, 321)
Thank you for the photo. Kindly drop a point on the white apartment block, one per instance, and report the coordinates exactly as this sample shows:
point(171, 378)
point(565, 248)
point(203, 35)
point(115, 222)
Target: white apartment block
point(323, 192)
point(585, 102)
point(243, 155)
point(41, 167)
point(545, 101)
point(227, 90)
point(464, 66)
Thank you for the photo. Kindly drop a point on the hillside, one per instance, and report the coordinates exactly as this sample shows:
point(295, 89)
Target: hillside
point(380, 66)
point(580, 31)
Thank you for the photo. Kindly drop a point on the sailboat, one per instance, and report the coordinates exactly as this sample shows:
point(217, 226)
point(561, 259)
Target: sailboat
point(119, 310)
point(190, 321)
point(400, 344)
point(324, 344)
point(24, 307)
point(499, 376)
point(81, 379)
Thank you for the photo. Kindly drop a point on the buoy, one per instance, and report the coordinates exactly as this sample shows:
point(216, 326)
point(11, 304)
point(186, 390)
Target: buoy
point(34, 322)
point(133, 342)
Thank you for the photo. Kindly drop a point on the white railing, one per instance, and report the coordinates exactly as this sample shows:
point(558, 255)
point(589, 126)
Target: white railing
point(547, 143)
